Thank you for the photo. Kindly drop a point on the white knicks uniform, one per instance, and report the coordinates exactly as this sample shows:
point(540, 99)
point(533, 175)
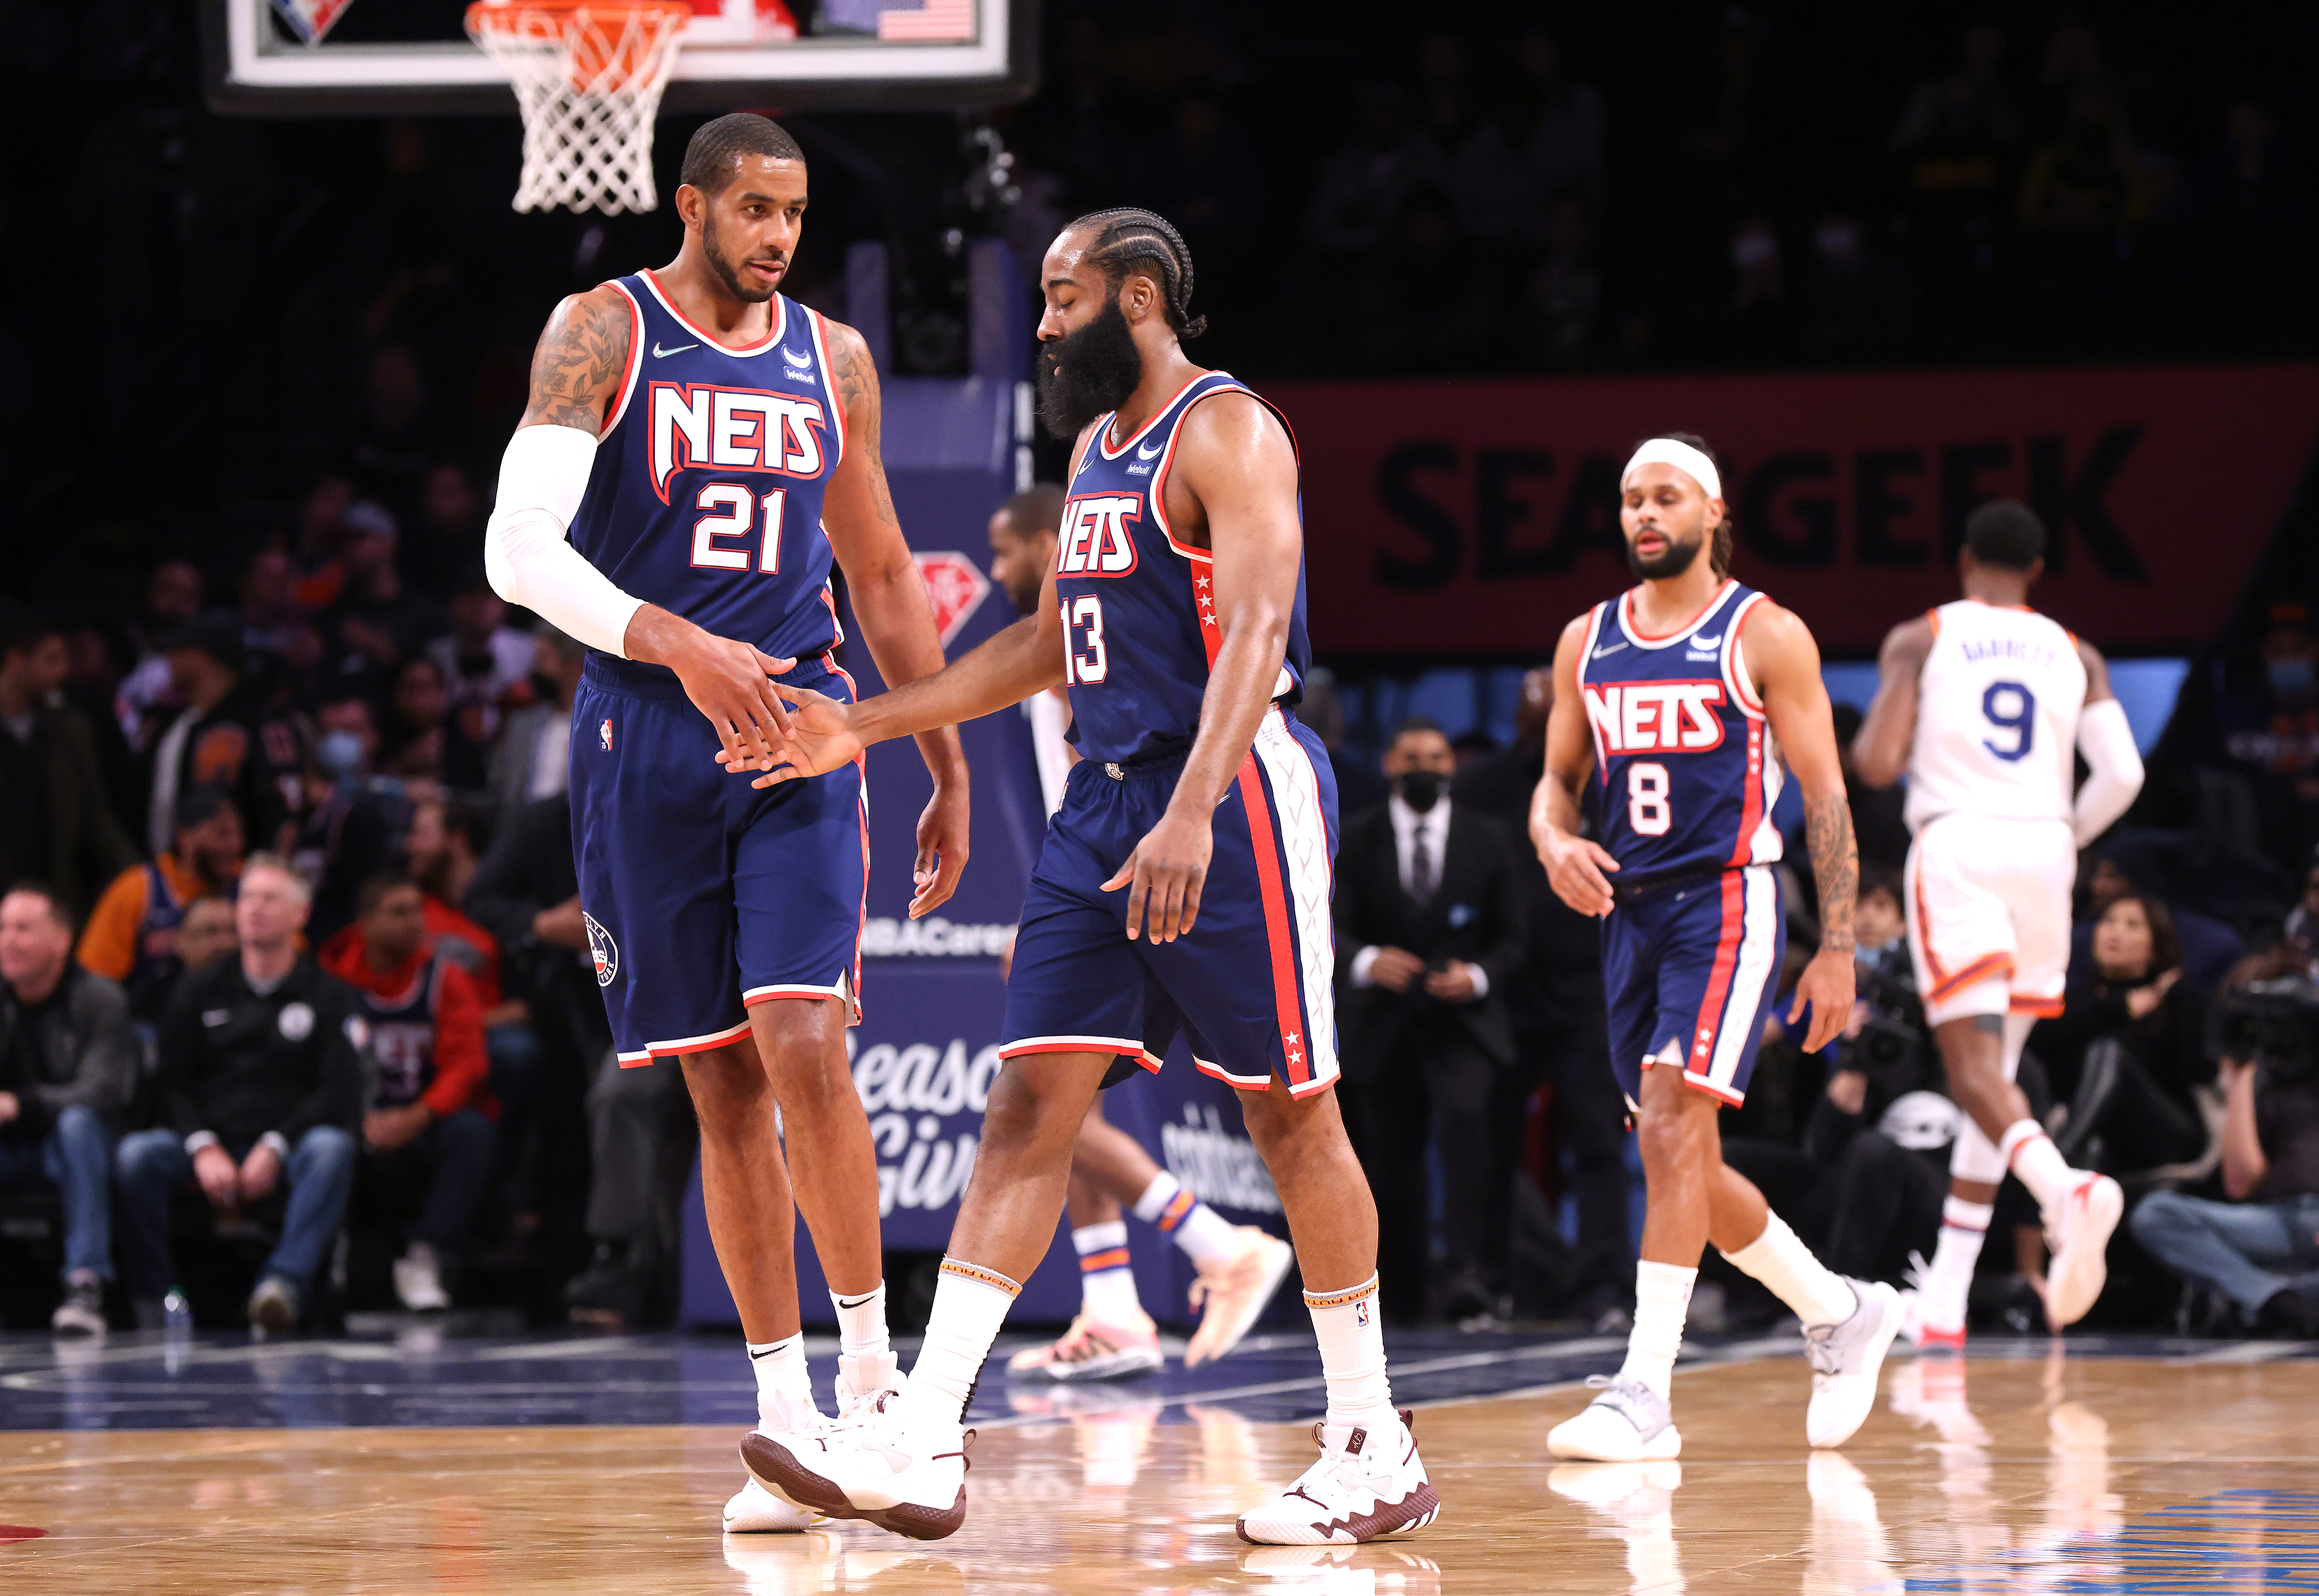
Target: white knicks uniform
point(1992, 791)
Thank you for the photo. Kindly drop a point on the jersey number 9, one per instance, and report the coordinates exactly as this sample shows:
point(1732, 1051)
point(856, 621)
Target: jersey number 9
point(2011, 707)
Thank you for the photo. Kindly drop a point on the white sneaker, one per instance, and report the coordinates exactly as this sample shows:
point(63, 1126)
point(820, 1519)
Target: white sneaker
point(2079, 1236)
point(874, 1468)
point(419, 1280)
point(1629, 1423)
point(1092, 1351)
point(1369, 1481)
point(1847, 1359)
point(755, 1510)
point(1235, 1292)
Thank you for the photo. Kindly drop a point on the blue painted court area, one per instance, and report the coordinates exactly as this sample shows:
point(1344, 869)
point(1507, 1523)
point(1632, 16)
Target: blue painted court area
point(416, 1374)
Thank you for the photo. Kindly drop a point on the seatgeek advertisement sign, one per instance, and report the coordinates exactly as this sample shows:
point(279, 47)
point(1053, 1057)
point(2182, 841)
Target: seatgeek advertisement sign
point(1478, 515)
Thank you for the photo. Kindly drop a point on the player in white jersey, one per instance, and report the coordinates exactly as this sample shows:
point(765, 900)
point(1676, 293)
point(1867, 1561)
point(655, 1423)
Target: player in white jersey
point(1984, 705)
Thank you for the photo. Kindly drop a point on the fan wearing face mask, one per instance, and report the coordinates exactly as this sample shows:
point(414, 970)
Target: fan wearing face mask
point(1431, 927)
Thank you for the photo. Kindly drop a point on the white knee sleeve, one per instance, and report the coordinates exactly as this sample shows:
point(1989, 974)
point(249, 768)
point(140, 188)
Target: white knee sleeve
point(1975, 1158)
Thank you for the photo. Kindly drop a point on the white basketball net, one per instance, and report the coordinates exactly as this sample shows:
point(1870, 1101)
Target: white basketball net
point(589, 82)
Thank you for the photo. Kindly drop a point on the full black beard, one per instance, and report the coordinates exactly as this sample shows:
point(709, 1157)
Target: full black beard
point(748, 294)
point(1674, 561)
point(1087, 372)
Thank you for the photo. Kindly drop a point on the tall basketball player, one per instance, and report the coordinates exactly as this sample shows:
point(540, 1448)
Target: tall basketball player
point(1985, 704)
point(1192, 850)
point(696, 450)
point(1682, 698)
point(1239, 1267)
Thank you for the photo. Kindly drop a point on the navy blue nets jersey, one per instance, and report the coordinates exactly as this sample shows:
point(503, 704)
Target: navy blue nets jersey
point(1138, 608)
point(706, 495)
point(1688, 766)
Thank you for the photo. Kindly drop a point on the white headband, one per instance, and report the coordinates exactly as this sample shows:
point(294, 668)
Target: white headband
point(1666, 451)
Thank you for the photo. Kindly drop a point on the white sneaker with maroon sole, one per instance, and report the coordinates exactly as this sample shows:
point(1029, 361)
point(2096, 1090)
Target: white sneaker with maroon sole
point(871, 1466)
point(1368, 1482)
point(1092, 1351)
point(1233, 1295)
point(2079, 1235)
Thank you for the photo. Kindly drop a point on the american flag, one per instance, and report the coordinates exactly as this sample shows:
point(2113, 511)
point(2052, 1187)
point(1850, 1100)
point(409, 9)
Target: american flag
point(939, 22)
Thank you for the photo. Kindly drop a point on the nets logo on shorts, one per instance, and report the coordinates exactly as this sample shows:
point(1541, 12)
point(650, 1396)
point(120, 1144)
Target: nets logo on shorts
point(603, 949)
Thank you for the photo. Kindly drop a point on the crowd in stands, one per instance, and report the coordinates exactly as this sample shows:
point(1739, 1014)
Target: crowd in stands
point(290, 922)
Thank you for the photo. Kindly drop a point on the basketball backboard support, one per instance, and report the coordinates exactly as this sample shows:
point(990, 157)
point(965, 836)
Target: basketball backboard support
point(412, 58)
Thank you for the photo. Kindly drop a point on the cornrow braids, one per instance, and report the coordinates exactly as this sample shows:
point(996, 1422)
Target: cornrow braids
point(1128, 236)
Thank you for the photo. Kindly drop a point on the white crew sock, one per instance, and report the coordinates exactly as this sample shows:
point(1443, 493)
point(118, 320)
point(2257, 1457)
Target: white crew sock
point(1351, 1332)
point(1948, 1280)
point(1106, 1284)
point(1204, 1235)
point(2031, 1154)
point(784, 1387)
point(862, 1322)
point(971, 1304)
point(1786, 1266)
point(1662, 1302)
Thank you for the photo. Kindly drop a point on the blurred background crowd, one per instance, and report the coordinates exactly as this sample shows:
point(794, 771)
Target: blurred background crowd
point(285, 778)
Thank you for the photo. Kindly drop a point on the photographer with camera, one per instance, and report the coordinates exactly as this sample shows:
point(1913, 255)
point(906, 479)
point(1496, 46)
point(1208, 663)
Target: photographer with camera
point(2260, 1249)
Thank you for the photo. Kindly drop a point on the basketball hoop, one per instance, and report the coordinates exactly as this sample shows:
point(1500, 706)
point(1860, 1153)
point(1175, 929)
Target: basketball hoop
point(588, 77)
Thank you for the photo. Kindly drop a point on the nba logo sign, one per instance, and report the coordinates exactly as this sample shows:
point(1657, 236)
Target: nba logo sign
point(1361, 1313)
point(604, 734)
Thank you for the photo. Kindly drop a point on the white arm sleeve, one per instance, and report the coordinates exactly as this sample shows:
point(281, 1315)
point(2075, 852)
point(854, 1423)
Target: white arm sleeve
point(2114, 767)
point(527, 555)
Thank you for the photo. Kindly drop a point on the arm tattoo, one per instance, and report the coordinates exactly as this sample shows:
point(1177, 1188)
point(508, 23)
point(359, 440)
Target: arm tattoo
point(1835, 868)
point(857, 389)
point(578, 366)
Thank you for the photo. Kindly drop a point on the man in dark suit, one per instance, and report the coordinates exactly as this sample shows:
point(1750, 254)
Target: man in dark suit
point(1431, 926)
point(1561, 1038)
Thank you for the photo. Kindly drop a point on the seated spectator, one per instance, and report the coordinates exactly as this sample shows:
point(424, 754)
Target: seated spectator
point(2269, 734)
point(2259, 1247)
point(352, 816)
point(68, 1067)
point(275, 627)
point(427, 1130)
point(378, 620)
point(261, 1085)
point(2127, 864)
point(1880, 926)
point(413, 741)
point(1365, 183)
point(225, 736)
point(2129, 1047)
point(441, 852)
point(534, 756)
point(486, 666)
point(132, 936)
point(56, 816)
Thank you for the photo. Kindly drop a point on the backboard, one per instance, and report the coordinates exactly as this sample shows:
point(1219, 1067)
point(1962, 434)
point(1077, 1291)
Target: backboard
point(412, 58)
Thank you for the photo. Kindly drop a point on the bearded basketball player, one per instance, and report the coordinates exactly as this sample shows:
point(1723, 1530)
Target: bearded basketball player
point(1239, 1267)
point(1985, 704)
point(696, 449)
point(1682, 699)
point(1192, 852)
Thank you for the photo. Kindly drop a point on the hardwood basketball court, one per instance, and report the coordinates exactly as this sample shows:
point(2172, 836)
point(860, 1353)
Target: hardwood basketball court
point(424, 1465)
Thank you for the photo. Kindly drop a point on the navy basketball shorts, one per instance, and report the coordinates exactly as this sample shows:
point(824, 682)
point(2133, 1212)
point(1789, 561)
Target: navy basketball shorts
point(1250, 985)
point(1692, 974)
point(705, 894)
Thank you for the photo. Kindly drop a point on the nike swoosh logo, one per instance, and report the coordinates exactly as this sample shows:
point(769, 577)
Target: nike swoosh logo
point(1613, 648)
point(659, 353)
point(795, 359)
point(1149, 454)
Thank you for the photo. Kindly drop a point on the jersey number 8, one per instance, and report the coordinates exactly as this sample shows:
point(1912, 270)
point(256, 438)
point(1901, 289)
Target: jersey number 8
point(1649, 813)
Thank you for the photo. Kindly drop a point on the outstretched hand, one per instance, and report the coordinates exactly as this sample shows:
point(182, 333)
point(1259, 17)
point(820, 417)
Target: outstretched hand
point(730, 683)
point(1579, 871)
point(819, 736)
